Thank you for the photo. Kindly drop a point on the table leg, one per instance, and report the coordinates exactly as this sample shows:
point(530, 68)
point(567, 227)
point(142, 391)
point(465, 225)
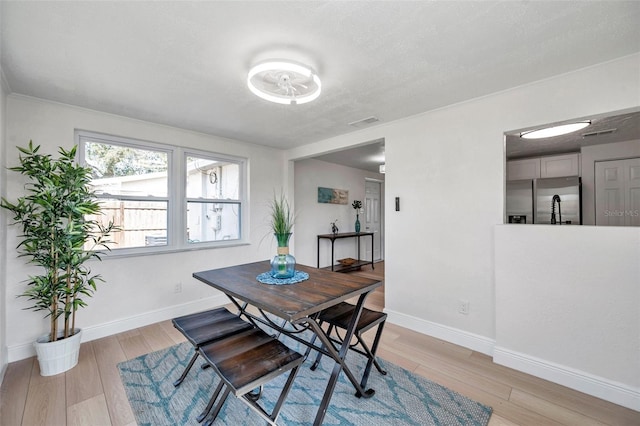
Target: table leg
point(340, 364)
point(338, 356)
point(242, 309)
point(372, 266)
point(332, 241)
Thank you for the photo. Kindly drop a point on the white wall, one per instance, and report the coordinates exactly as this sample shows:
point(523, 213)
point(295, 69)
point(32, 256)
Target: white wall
point(138, 290)
point(313, 218)
point(571, 297)
point(591, 154)
point(3, 231)
point(447, 166)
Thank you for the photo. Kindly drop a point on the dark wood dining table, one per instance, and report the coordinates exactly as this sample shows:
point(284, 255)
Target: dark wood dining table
point(299, 305)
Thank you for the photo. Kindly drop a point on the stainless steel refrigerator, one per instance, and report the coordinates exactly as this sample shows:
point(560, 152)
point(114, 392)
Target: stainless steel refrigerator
point(520, 201)
point(558, 201)
point(541, 200)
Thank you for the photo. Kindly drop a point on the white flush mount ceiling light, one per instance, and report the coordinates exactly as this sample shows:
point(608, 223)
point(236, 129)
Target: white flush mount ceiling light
point(284, 82)
point(550, 132)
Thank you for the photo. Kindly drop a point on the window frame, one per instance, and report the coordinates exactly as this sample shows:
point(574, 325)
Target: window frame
point(239, 201)
point(176, 192)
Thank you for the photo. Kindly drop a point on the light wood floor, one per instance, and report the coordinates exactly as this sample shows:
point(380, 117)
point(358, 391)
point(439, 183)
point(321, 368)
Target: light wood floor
point(91, 394)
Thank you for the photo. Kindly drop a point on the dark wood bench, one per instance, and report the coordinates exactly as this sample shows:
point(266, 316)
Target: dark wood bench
point(244, 362)
point(204, 327)
point(339, 316)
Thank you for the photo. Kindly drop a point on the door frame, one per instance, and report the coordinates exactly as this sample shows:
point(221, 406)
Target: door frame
point(382, 209)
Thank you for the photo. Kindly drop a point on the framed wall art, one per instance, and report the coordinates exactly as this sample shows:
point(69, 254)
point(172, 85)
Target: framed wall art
point(332, 195)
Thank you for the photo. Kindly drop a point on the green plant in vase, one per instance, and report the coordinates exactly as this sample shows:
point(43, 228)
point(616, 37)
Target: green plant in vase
point(357, 205)
point(283, 264)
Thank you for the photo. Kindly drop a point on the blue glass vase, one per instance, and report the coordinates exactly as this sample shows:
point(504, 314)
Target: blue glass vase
point(283, 265)
point(357, 224)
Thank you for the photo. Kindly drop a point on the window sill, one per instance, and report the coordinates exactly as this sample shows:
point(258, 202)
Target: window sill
point(146, 251)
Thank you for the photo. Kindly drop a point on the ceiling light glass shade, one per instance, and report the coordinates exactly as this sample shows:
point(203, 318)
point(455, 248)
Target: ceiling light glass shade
point(381, 168)
point(550, 132)
point(284, 82)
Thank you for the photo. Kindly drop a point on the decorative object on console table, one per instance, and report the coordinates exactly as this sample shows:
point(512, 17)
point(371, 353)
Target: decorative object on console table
point(283, 264)
point(347, 261)
point(61, 231)
point(334, 227)
point(357, 205)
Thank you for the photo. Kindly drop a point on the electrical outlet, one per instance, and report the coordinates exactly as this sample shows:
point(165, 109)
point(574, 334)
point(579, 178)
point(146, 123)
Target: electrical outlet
point(177, 288)
point(463, 307)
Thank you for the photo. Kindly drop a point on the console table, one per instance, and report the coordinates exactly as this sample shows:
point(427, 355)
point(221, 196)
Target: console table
point(357, 236)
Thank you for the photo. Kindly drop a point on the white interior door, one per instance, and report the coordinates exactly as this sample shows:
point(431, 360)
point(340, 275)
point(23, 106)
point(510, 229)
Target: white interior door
point(618, 192)
point(373, 219)
point(633, 192)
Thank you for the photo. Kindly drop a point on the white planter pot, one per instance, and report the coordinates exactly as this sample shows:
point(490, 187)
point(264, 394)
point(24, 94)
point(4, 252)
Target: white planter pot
point(59, 356)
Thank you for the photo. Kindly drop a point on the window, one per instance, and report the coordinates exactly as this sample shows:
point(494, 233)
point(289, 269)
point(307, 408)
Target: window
point(165, 197)
point(213, 204)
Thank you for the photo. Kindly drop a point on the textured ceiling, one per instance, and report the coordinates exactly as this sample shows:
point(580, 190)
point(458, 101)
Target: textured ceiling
point(368, 156)
point(184, 64)
point(608, 128)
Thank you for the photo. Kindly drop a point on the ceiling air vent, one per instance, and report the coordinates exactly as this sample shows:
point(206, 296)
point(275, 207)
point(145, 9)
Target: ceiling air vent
point(364, 122)
point(598, 133)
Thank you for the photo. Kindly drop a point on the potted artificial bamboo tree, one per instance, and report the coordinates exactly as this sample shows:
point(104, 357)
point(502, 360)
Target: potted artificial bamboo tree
point(58, 236)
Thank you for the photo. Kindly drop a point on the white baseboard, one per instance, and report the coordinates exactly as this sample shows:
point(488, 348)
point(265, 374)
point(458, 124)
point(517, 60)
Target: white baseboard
point(26, 350)
point(608, 390)
point(453, 335)
point(581, 381)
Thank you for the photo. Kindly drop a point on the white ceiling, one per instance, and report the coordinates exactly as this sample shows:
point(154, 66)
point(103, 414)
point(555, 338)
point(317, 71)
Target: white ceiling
point(608, 128)
point(184, 64)
point(368, 156)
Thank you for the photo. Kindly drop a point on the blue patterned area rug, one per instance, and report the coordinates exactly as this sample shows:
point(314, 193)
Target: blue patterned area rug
point(401, 398)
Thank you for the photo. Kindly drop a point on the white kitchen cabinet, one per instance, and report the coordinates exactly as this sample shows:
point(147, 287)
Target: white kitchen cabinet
point(523, 169)
point(544, 167)
point(560, 165)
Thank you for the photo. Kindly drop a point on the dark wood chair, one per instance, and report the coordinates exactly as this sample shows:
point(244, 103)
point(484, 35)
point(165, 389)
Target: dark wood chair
point(204, 327)
point(339, 316)
point(246, 361)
